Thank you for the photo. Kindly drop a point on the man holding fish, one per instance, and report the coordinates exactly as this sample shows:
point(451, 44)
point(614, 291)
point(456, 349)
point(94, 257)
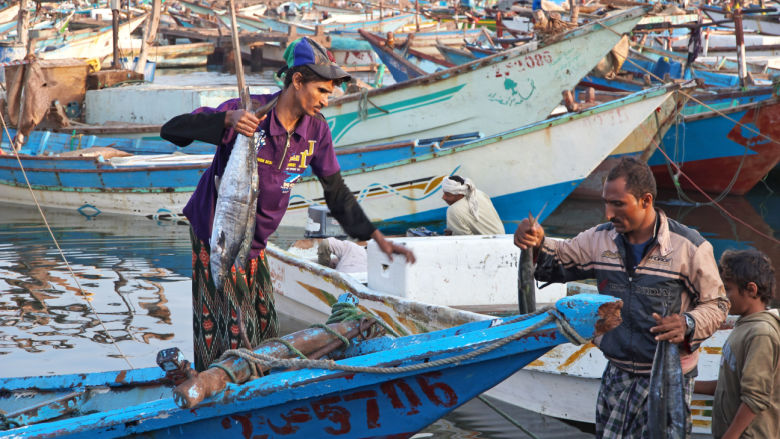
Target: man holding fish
point(668, 279)
point(233, 304)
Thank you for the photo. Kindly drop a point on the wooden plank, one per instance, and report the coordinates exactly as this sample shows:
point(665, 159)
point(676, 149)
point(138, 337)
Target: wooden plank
point(109, 78)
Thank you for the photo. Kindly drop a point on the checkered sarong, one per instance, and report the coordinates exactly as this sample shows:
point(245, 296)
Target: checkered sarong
point(216, 315)
point(621, 410)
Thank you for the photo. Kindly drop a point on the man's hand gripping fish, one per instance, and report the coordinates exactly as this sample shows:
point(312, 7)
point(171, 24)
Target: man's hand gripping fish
point(234, 216)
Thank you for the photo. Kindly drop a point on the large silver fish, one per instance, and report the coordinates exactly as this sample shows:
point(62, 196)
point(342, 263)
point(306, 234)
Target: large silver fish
point(666, 401)
point(234, 215)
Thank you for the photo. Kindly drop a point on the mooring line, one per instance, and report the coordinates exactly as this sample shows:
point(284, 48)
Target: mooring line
point(715, 203)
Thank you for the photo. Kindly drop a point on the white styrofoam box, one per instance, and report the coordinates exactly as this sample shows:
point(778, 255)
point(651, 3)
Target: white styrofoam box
point(454, 271)
point(101, 14)
point(152, 104)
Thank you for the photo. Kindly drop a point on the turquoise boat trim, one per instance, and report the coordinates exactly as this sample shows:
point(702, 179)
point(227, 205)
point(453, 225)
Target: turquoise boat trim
point(162, 190)
point(341, 124)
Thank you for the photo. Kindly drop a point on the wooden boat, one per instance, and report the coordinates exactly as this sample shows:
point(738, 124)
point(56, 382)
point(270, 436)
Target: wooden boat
point(400, 67)
point(398, 184)
point(719, 45)
point(247, 21)
point(724, 65)
point(308, 290)
point(404, 62)
point(455, 55)
point(147, 177)
point(490, 95)
point(175, 55)
point(442, 370)
point(395, 183)
point(86, 43)
point(427, 39)
point(715, 152)
point(768, 24)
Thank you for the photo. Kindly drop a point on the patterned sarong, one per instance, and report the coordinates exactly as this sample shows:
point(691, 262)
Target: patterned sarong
point(621, 410)
point(217, 316)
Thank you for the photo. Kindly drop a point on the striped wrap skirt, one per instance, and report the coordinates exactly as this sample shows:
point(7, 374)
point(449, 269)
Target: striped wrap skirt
point(241, 313)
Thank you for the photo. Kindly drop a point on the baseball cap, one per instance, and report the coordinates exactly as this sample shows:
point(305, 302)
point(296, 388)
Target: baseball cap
point(307, 52)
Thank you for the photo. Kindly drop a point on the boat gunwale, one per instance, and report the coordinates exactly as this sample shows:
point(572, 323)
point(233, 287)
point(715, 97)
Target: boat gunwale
point(734, 109)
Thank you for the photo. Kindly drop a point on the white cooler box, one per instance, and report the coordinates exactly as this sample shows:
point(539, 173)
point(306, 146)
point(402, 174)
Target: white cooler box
point(454, 271)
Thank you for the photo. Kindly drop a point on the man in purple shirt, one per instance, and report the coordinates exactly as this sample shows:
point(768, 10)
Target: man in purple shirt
point(297, 136)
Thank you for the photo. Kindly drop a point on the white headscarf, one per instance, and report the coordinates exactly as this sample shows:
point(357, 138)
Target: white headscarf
point(466, 189)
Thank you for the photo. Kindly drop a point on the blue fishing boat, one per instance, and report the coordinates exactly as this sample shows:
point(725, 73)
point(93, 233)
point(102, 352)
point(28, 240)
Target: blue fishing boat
point(95, 174)
point(423, 377)
point(455, 55)
point(404, 62)
point(732, 135)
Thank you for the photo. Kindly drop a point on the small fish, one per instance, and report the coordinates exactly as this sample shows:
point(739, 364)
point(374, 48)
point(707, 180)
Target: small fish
point(666, 402)
point(234, 215)
point(526, 286)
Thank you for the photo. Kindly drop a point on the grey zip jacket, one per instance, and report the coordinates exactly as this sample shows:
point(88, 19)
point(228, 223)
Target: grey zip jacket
point(677, 272)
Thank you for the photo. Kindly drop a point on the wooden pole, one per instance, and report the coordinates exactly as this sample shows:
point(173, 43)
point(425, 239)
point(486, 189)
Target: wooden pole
point(417, 15)
point(243, 92)
point(149, 35)
point(22, 22)
point(115, 32)
point(740, 35)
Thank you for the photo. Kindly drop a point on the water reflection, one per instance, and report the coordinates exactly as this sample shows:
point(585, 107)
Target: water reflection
point(125, 270)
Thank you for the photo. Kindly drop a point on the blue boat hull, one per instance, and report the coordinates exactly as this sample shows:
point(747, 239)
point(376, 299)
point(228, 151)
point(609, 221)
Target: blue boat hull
point(310, 403)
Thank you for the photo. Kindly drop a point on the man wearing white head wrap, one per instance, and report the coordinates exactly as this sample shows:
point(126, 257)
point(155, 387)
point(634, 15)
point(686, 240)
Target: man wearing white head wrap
point(470, 211)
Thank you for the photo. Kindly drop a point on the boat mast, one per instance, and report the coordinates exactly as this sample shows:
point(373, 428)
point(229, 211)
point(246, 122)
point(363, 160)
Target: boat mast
point(740, 36)
point(115, 31)
point(417, 15)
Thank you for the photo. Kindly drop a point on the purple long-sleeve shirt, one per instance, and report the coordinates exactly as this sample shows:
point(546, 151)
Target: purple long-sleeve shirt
point(310, 144)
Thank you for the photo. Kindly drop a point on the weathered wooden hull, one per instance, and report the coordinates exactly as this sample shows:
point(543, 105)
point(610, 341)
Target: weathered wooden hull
point(92, 45)
point(490, 95)
point(311, 403)
point(717, 151)
point(544, 161)
point(455, 56)
point(154, 182)
point(175, 56)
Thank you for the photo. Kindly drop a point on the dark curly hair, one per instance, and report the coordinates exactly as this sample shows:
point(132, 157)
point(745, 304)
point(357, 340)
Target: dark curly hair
point(743, 266)
point(639, 177)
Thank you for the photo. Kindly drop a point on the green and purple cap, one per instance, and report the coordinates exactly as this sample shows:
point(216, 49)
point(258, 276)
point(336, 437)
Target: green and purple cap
point(307, 52)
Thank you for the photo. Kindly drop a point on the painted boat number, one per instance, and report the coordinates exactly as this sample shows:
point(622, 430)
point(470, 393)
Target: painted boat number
point(528, 61)
point(398, 393)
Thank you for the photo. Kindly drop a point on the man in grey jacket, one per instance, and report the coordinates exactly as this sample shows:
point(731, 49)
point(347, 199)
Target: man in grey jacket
point(658, 267)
